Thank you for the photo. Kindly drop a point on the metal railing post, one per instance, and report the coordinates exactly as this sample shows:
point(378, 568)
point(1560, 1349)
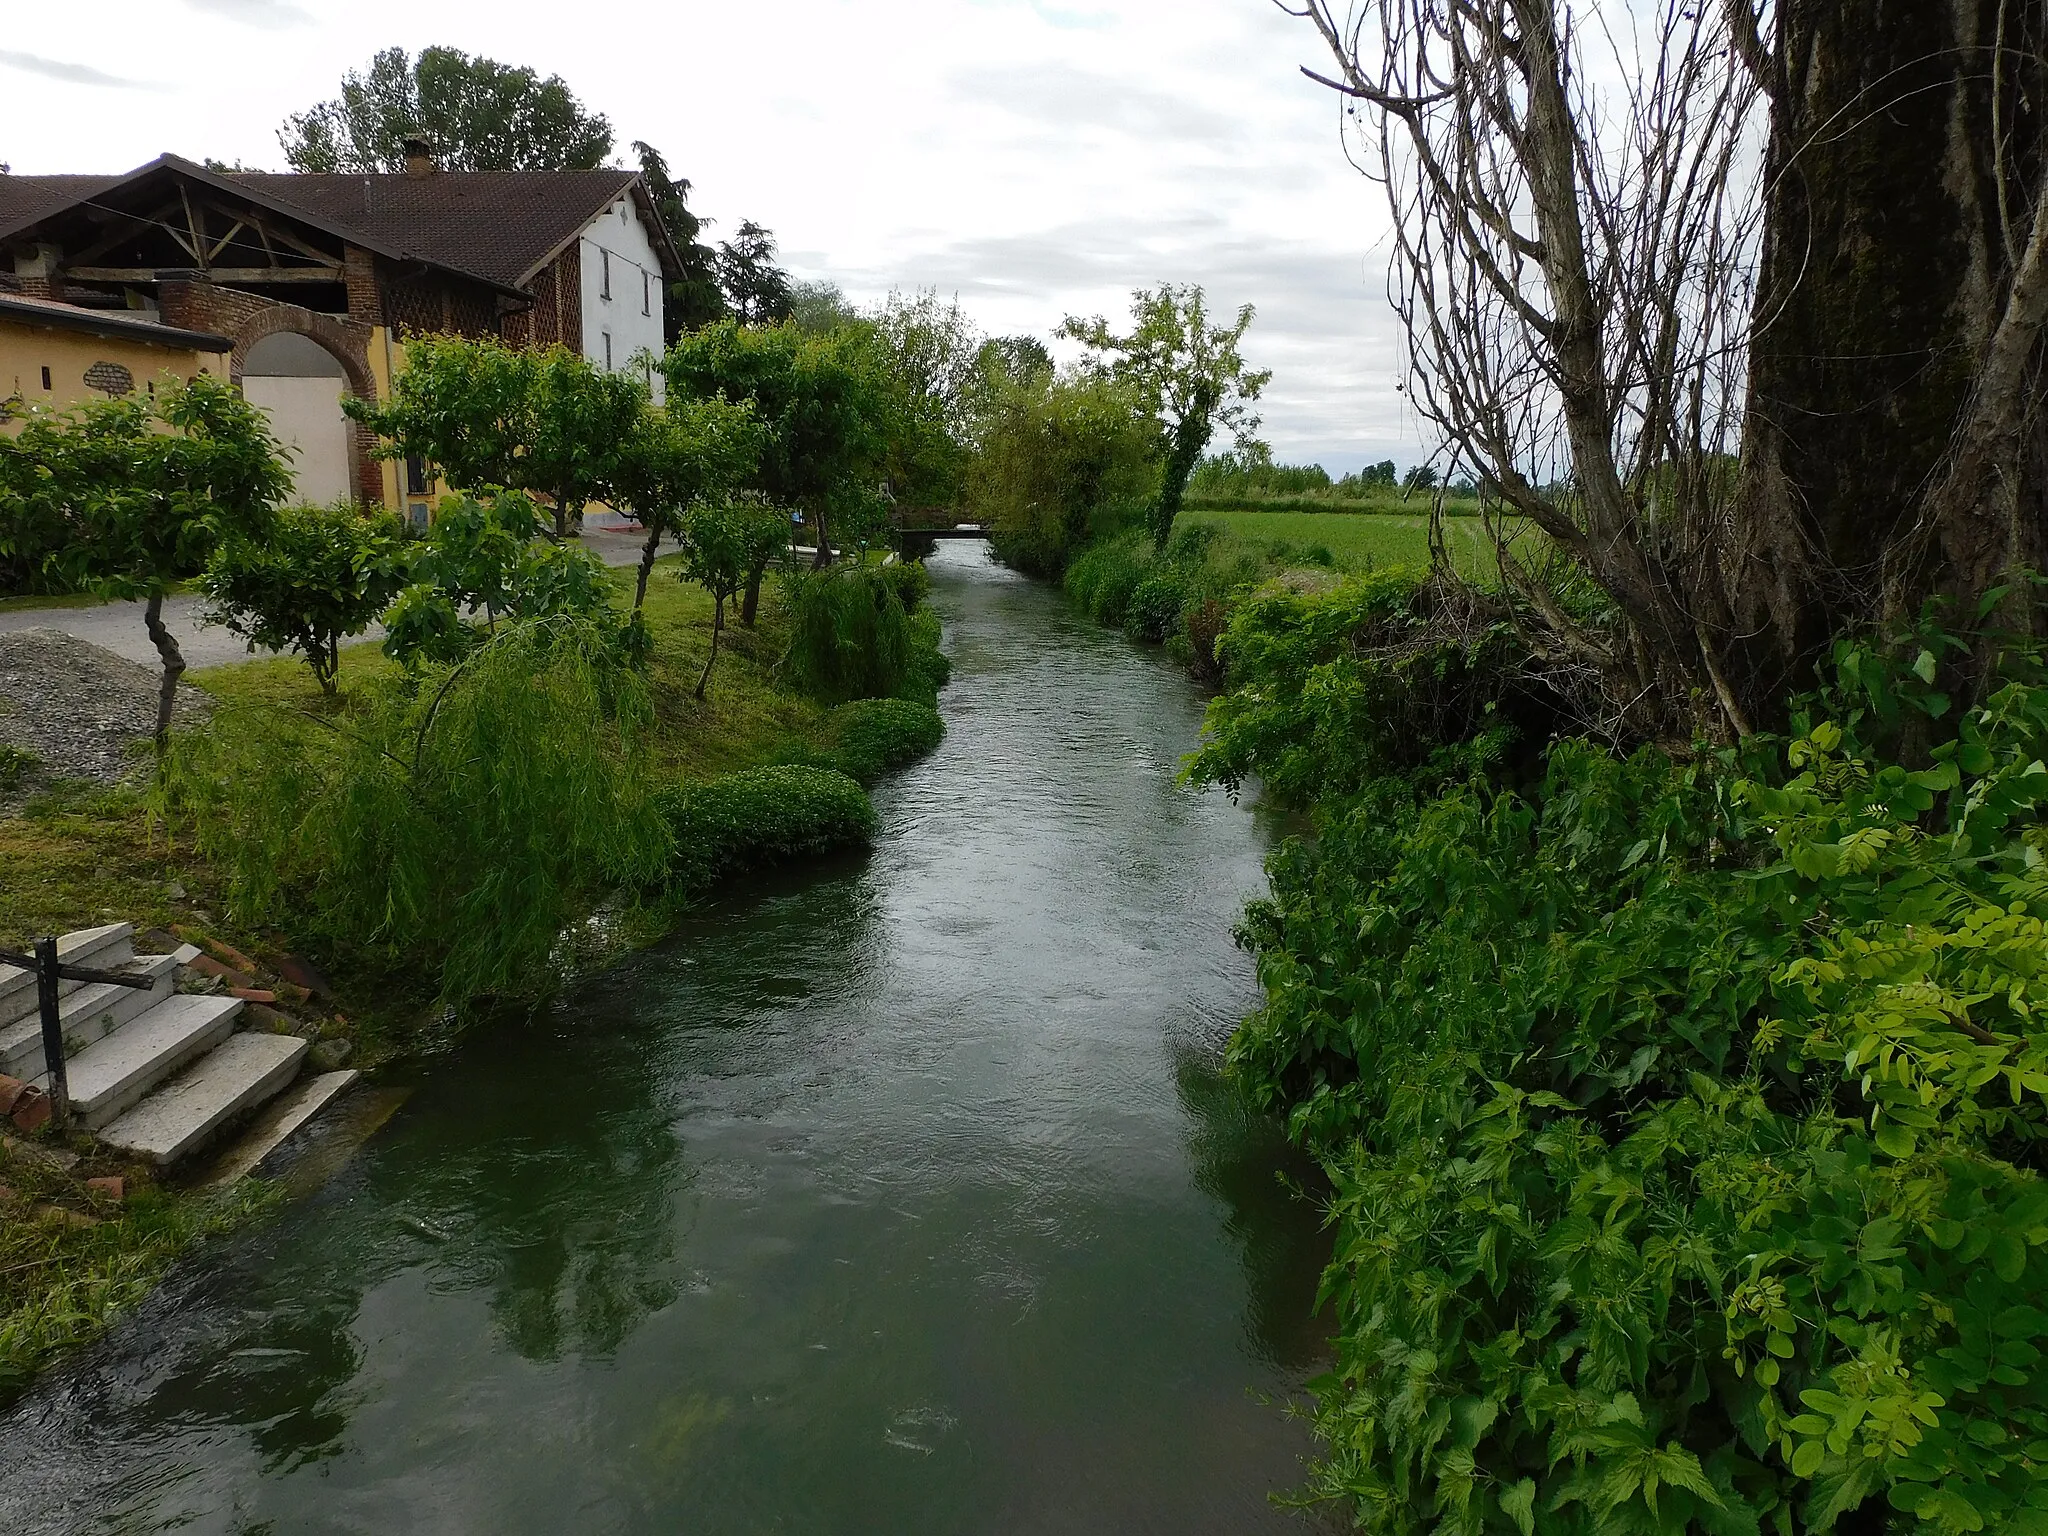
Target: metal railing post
point(53, 1031)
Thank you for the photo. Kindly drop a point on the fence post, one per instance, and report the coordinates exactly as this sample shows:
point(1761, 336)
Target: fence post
point(53, 1031)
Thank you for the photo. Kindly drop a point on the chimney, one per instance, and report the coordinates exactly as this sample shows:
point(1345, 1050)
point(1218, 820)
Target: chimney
point(419, 158)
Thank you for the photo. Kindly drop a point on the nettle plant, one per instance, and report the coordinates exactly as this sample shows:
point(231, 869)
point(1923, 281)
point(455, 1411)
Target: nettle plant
point(1685, 1124)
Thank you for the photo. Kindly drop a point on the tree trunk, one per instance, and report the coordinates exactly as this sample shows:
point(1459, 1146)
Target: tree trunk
point(717, 628)
point(647, 551)
point(1190, 437)
point(822, 534)
point(1893, 444)
point(750, 605)
point(174, 668)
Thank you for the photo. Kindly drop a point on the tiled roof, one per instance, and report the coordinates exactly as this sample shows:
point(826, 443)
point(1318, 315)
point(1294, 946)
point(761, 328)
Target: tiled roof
point(500, 225)
point(23, 197)
point(124, 323)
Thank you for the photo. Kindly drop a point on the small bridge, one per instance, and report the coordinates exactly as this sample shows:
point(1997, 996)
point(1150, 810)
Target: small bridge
point(918, 533)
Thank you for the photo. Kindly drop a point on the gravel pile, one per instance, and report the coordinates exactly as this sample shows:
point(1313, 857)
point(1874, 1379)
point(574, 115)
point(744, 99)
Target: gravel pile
point(77, 708)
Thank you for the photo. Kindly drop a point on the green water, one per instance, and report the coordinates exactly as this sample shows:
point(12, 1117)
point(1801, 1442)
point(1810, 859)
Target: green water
point(901, 1197)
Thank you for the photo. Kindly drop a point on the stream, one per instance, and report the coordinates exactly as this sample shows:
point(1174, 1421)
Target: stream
point(901, 1196)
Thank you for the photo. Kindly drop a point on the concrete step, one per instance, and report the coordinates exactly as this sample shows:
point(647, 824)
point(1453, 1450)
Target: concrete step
point(236, 1075)
point(282, 1119)
point(108, 1079)
point(103, 947)
point(91, 1013)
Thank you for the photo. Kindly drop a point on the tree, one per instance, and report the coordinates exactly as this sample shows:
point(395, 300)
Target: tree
point(822, 403)
point(692, 451)
point(146, 489)
point(1189, 371)
point(725, 545)
point(315, 575)
point(757, 291)
point(695, 300)
point(930, 354)
point(475, 113)
point(548, 421)
point(1060, 461)
point(1609, 301)
point(584, 418)
point(817, 307)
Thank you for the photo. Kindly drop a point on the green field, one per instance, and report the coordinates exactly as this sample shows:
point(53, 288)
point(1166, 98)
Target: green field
point(1357, 539)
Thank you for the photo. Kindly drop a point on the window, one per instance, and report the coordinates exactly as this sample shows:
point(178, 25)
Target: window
point(607, 351)
point(46, 378)
point(416, 483)
point(622, 213)
point(646, 294)
point(604, 263)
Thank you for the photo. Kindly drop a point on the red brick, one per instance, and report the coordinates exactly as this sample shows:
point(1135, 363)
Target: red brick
point(253, 994)
point(31, 1111)
point(206, 965)
point(11, 1089)
point(113, 1187)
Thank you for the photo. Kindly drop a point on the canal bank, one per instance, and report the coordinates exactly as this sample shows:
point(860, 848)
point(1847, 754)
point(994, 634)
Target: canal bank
point(899, 1196)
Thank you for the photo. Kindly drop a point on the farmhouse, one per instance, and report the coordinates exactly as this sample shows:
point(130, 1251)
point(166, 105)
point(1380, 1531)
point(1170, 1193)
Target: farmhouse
point(312, 282)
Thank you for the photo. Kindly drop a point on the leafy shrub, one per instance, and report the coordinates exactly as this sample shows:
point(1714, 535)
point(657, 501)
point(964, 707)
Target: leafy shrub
point(909, 580)
point(1153, 609)
point(316, 575)
point(849, 636)
point(871, 737)
point(761, 817)
point(1335, 689)
point(1684, 1122)
point(452, 819)
point(16, 763)
point(929, 669)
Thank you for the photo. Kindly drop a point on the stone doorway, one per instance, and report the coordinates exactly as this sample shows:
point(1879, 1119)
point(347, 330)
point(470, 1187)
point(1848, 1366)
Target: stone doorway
point(299, 384)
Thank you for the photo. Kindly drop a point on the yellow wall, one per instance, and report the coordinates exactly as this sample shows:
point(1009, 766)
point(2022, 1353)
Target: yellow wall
point(26, 350)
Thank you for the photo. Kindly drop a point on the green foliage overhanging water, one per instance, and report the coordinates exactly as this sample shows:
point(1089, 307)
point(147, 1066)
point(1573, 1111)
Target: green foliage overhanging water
point(1685, 1116)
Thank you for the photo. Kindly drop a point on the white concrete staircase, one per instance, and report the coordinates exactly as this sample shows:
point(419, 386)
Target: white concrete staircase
point(154, 1073)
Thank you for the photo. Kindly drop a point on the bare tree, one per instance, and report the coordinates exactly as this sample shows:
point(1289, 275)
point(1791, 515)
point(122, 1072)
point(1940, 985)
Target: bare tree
point(1592, 233)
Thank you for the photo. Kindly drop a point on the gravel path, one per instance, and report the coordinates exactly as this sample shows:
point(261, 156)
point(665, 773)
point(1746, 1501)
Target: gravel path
point(77, 708)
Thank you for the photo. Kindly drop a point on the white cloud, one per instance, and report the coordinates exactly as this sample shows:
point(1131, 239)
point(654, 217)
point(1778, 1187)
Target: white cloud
point(273, 14)
point(1038, 157)
point(69, 74)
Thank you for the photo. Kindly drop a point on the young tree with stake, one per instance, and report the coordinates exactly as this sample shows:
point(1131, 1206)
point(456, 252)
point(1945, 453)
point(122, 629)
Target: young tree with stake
point(725, 544)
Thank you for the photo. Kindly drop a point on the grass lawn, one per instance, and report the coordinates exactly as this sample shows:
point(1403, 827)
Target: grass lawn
point(1357, 539)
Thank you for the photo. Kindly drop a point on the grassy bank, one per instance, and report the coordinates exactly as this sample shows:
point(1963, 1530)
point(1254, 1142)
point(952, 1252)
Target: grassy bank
point(752, 775)
point(1352, 540)
point(1184, 596)
point(1390, 502)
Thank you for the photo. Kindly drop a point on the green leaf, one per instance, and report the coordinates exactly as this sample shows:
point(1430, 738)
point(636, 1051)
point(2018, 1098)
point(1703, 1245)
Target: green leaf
point(1519, 1505)
point(1894, 1139)
point(1807, 1458)
point(1924, 666)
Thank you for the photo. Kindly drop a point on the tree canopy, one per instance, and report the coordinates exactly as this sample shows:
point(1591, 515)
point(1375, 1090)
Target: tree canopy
point(1188, 370)
point(823, 402)
point(475, 113)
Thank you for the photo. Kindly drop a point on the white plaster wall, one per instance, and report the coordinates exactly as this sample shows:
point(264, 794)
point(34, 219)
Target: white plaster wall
point(305, 415)
point(632, 255)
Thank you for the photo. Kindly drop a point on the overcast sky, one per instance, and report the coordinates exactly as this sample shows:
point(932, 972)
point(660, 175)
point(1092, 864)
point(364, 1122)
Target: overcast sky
point(1035, 157)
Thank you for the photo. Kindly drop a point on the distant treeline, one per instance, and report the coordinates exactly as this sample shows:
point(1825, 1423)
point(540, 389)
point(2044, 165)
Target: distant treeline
point(1227, 480)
